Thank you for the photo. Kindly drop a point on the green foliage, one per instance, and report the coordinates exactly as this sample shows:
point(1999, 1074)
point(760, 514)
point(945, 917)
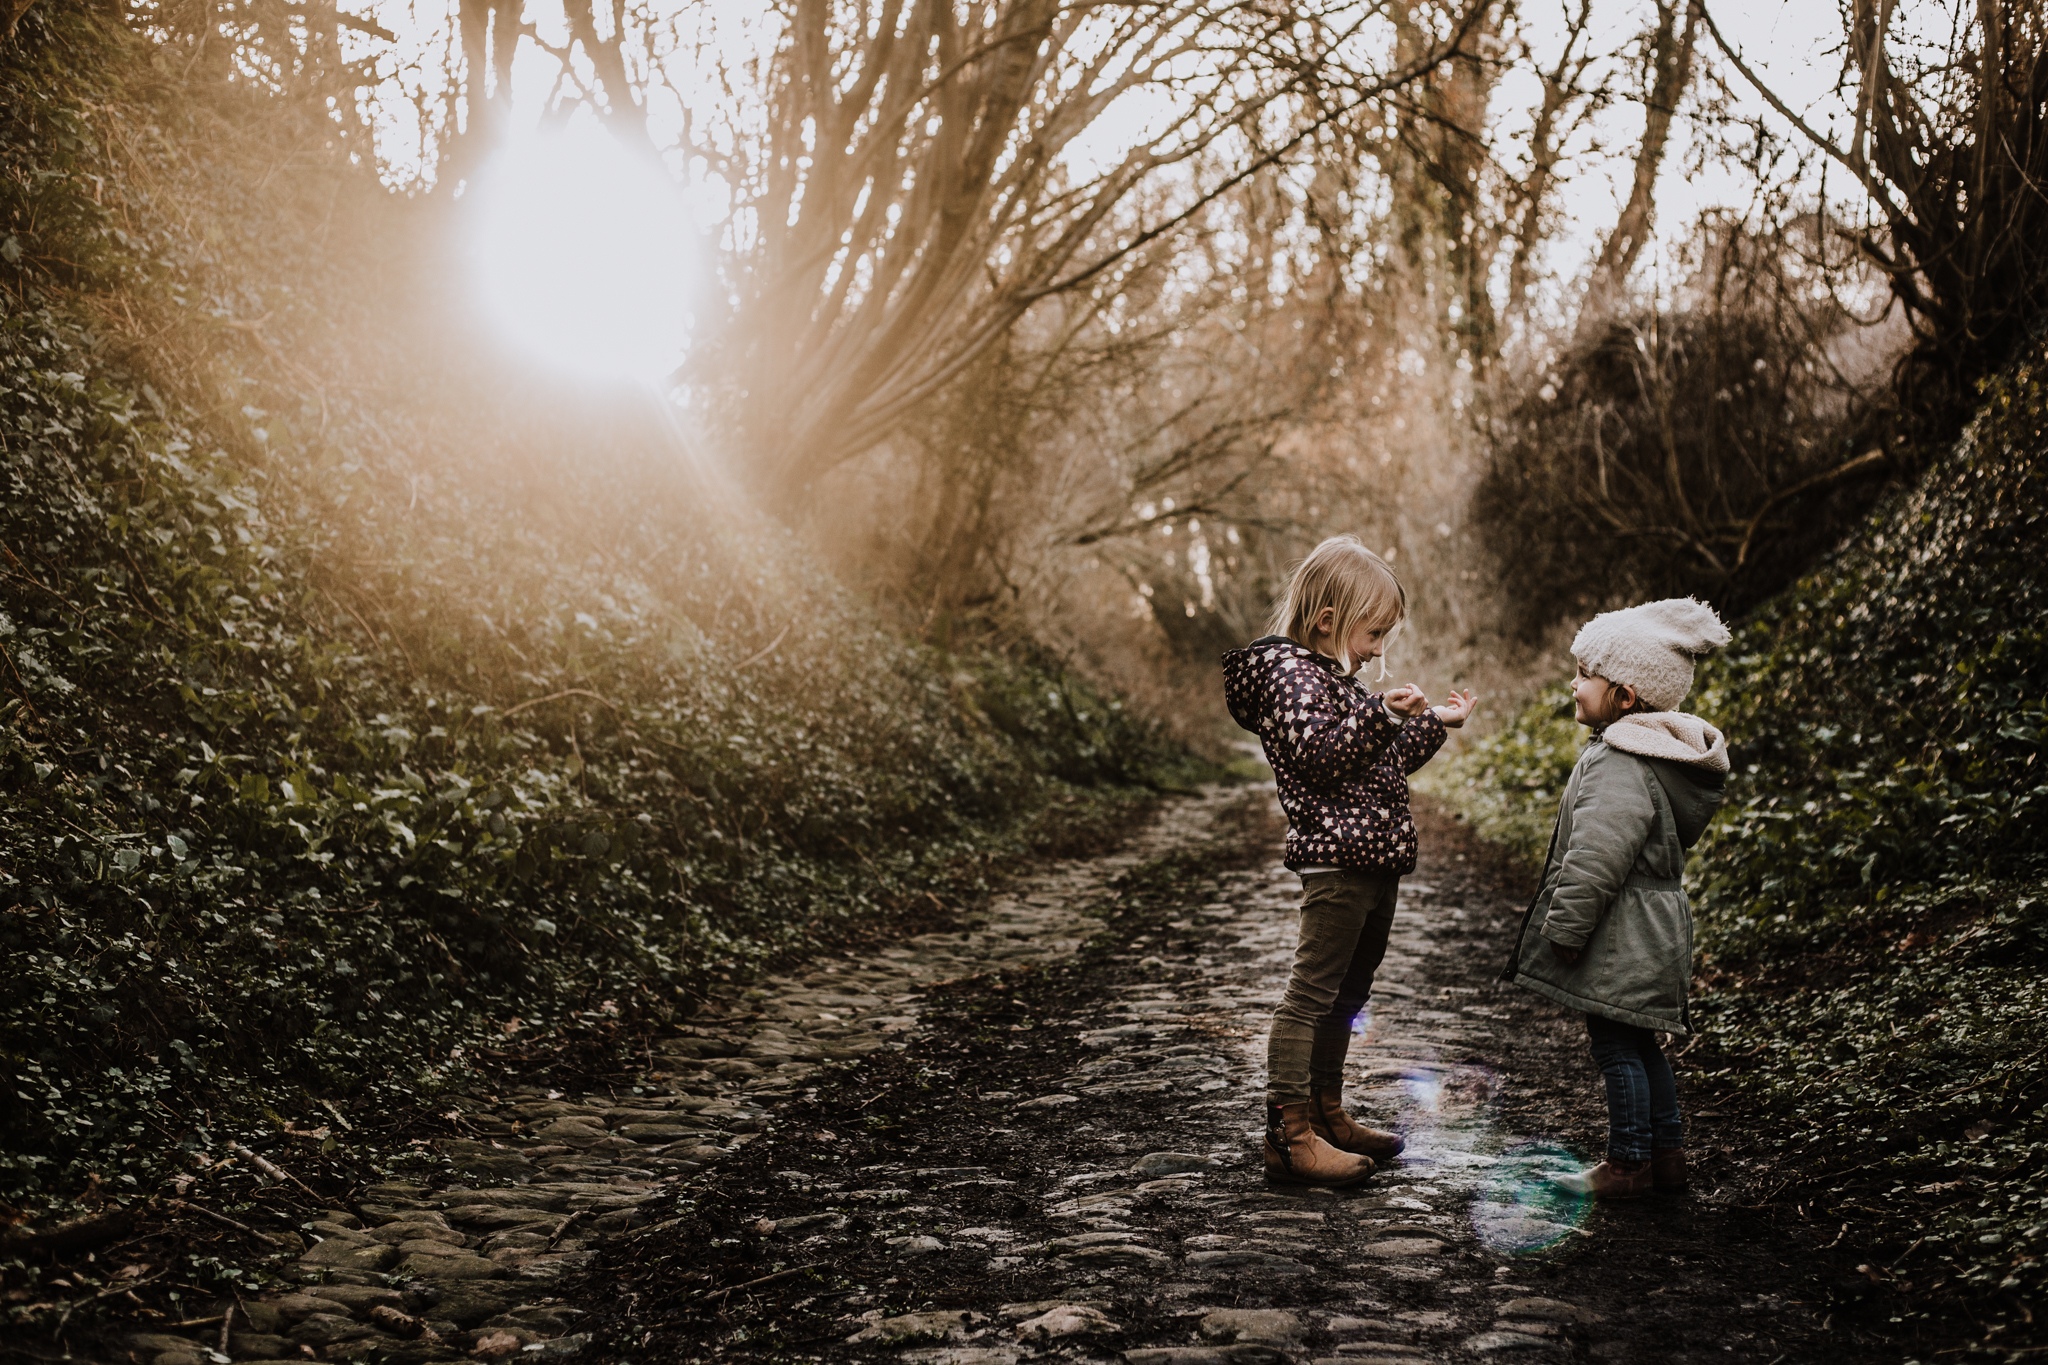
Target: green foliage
point(1871, 899)
point(1508, 783)
point(257, 850)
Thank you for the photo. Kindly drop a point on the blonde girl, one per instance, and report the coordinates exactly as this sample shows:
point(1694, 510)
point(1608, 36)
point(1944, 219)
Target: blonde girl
point(1341, 757)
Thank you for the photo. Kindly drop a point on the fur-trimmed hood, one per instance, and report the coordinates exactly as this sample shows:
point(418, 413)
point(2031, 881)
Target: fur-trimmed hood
point(1689, 757)
point(1672, 735)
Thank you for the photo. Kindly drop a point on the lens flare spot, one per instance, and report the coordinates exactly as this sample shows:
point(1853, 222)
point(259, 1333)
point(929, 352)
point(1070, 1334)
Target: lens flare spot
point(584, 255)
point(1447, 1091)
point(1425, 1090)
point(1519, 1208)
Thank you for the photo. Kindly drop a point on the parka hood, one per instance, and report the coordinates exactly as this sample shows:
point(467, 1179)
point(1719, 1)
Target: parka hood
point(1690, 758)
point(1243, 668)
point(1671, 735)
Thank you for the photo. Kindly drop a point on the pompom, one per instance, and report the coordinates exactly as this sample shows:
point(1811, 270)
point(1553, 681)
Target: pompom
point(1651, 647)
point(1688, 624)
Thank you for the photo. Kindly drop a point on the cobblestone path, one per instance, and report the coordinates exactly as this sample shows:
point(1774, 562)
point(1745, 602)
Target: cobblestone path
point(1037, 1138)
point(415, 1272)
point(1063, 1165)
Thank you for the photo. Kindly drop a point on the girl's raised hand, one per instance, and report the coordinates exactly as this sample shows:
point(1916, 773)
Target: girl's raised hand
point(1405, 700)
point(1454, 708)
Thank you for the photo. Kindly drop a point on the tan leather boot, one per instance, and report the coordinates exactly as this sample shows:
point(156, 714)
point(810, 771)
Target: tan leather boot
point(1295, 1152)
point(1610, 1180)
point(1334, 1126)
point(1667, 1168)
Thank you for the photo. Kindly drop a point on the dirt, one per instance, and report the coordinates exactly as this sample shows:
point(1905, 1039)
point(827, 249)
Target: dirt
point(1061, 1162)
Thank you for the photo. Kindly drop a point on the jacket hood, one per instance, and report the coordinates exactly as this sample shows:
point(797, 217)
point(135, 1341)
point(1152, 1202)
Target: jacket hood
point(1690, 758)
point(1243, 668)
point(1671, 735)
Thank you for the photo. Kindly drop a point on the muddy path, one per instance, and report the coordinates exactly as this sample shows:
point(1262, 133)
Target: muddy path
point(1060, 1162)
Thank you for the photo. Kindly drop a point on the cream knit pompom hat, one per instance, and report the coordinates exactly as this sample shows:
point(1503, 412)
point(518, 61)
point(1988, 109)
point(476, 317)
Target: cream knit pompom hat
point(1651, 648)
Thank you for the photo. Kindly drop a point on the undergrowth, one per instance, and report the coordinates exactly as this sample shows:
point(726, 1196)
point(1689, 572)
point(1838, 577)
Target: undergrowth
point(1873, 900)
point(364, 712)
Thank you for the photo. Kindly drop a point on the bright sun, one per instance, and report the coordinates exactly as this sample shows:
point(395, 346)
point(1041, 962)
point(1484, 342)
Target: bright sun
point(585, 255)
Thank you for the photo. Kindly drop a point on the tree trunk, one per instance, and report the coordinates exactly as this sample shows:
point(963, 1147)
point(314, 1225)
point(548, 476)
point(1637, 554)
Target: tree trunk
point(1670, 71)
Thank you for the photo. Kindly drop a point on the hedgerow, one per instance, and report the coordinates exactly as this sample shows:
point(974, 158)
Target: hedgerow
point(305, 796)
point(1873, 899)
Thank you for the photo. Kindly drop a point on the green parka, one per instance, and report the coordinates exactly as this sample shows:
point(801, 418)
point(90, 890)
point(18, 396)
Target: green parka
point(1640, 796)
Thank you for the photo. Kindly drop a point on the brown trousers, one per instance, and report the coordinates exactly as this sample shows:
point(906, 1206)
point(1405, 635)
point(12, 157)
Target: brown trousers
point(1345, 918)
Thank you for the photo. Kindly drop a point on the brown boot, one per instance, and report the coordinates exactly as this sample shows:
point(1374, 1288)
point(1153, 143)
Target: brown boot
point(1296, 1152)
point(1611, 1179)
point(1667, 1168)
point(1326, 1115)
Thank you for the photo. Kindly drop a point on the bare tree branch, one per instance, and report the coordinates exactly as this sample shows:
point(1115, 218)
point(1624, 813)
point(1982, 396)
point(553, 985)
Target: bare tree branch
point(1670, 63)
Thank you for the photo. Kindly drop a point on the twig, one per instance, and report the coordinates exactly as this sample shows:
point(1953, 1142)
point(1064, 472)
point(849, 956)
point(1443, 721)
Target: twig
point(355, 616)
point(38, 583)
point(557, 696)
point(276, 1172)
point(28, 703)
point(765, 1279)
point(225, 1221)
point(111, 1291)
point(147, 598)
point(1853, 163)
point(1867, 460)
point(1980, 1083)
point(79, 1234)
point(114, 1290)
point(562, 1231)
point(765, 650)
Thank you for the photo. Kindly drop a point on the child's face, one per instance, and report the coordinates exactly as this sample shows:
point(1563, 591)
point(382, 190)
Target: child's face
point(1596, 701)
point(1366, 643)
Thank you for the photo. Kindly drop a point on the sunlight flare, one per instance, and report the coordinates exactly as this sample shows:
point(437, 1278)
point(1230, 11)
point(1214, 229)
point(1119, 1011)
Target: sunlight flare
point(585, 256)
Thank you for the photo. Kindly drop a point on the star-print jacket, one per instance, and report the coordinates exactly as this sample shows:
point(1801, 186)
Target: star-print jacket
point(1340, 760)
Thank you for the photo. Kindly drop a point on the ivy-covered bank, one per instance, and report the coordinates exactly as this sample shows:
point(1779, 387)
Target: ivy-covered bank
point(325, 772)
point(1873, 901)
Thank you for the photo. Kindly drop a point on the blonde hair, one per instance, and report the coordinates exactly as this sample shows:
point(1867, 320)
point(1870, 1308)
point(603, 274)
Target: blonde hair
point(1350, 581)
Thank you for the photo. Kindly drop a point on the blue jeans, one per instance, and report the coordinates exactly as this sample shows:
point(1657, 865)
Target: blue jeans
point(1642, 1094)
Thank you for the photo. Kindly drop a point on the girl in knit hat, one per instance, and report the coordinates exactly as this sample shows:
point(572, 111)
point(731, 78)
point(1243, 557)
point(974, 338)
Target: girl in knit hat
point(1609, 933)
point(1341, 757)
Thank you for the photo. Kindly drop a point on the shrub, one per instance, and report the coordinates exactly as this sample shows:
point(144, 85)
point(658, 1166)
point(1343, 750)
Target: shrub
point(1708, 446)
